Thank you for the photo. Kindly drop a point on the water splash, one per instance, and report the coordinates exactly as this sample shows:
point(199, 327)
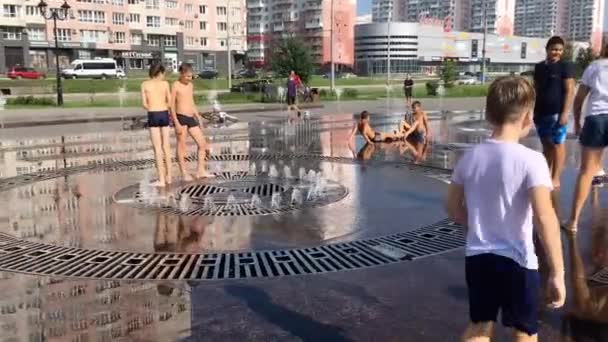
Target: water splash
point(255, 202)
point(275, 201)
point(184, 203)
point(311, 176)
point(208, 203)
point(301, 173)
point(264, 166)
point(231, 203)
point(287, 172)
point(212, 96)
point(338, 92)
point(172, 202)
point(273, 172)
point(312, 193)
point(296, 197)
point(252, 169)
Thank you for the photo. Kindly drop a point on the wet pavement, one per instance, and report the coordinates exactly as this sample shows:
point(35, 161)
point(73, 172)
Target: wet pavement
point(369, 257)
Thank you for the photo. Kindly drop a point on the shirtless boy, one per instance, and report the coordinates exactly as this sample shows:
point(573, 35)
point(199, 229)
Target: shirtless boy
point(365, 129)
point(185, 118)
point(419, 131)
point(156, 99)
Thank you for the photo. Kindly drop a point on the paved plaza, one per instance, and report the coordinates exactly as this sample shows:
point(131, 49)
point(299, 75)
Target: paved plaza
point(297, 238)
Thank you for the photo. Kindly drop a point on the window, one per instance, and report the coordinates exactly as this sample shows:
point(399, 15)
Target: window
point(202, 9)
point(11, 11)
point(11, 33)
point(133, 2)
point(64, 35)
point(171, 21)
point(170, 4)
point(153, 4)
point(136, 38)
point(170, 41)
point(35, 33)
point(153, 40)
point(94, 36)
point(118, 2)
point(222, 42)
point(92, 16)
point(152, 21)
point(203, 25)
point(189, 41)
point(32, 11)
point(203, 41)
point(118, 18)
point(221, 10)
point(93, 1)
point(134, 17)
point(120, 37)
point(188, 8)
point(189, 24)
point(221, 26)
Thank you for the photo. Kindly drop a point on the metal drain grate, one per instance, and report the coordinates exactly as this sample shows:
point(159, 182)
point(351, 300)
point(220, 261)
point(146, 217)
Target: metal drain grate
point(42, 259)
point(600, 276)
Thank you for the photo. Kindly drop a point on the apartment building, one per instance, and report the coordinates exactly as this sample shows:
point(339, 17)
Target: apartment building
point(540, 18)
point(269, 20)
point(134, 32)
point(586, 21)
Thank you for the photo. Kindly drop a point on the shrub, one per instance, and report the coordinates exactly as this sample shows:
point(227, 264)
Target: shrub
point(31, 101)
point(323, 93)
point(350, 93)
point(431, 88)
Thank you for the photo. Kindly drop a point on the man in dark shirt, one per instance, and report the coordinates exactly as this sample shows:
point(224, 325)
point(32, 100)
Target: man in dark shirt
point(408, 86)
point(554, 83)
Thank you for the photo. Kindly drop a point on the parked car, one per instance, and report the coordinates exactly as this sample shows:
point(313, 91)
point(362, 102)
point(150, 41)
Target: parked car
point(349, 75)
point(468, 80)
point(19, 72)
point(245, 73)
point(250, 86)
point(207, 74)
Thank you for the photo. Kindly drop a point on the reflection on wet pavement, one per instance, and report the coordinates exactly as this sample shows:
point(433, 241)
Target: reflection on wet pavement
point(80, 210)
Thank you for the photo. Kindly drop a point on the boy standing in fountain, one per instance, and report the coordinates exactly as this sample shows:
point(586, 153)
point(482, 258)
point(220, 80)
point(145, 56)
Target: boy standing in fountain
point(185, 118)
point(497, 187)
point(156, 99)
point(419, 130)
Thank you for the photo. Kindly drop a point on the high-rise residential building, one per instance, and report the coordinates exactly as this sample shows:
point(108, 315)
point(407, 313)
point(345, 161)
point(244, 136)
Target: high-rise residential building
point(134, 32)
point(499, 16)
point(383, 10)
point(310, 20)
point(541, 18)
point(586, 21)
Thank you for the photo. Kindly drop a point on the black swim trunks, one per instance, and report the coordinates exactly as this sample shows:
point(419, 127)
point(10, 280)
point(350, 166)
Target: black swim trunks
point(291, 100)
point(187, 121)
point(158, 119)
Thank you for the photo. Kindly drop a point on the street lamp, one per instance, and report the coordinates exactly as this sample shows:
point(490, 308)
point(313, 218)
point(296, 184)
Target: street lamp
point(60, 13)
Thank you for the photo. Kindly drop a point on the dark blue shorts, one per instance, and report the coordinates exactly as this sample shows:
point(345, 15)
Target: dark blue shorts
point(158, 119)
point(418, 137)
point(548, 128)
point(595, 131)
point(496, 283)
point(187, 121)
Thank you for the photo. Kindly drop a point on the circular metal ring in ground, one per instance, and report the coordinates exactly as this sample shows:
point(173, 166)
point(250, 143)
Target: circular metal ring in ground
point(237, 194)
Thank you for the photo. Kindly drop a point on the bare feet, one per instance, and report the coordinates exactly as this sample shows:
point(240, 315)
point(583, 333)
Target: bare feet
point(570, 227)
point(204, 174)
point(158, 184)
point(187, 177)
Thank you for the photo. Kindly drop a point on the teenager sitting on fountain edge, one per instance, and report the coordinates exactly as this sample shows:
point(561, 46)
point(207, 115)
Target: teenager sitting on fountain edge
point(369, 134)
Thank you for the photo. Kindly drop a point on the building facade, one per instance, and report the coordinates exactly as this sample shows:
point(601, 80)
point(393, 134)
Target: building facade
point(311, 20)
point(540, 18)
point(586, 21)
point(134, 32)
point(422, 48)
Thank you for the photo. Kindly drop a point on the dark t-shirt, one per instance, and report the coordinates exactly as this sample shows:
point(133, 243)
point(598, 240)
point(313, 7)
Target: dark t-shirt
point(408, 83)
point(291, 88)
point(549, 84)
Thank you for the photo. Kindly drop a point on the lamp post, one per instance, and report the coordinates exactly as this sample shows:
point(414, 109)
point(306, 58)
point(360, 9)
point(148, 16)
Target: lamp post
point(55, 14)
point(483, 49)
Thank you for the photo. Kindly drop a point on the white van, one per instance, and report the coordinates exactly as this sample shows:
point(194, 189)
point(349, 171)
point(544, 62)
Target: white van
point(93, 68)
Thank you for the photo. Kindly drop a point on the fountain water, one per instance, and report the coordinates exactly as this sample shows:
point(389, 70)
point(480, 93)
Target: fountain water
point(311, 176)
point(312, 193)
point(184, 203)
point(172, 202)
point(208, 203)
point(231, 203)
point(255, 202)
point(296, 197)
point(301, 173)
point(275, 201)
point(252, 169)
point(441, 94)
point(272, 172)
point(338, 92)
point(122, 92)
point(264, 166)
point(287, 172)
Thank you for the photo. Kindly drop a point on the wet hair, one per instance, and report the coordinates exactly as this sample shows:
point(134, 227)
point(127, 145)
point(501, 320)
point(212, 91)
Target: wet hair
point(155, 69)
point(508, 99)
point(184, 68)
point(555, 40)
point(416, 103)
point(364, 115)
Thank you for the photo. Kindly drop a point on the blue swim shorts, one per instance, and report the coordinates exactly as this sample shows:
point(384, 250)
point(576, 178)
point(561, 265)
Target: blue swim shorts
point(548, 127)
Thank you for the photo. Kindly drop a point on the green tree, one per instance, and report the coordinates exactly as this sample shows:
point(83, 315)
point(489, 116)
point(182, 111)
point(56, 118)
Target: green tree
point(448, 73)
point(568, 52)
point(584, 58)
point(289, 54)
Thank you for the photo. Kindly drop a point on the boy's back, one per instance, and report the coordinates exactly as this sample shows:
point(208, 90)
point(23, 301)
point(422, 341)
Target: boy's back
point(496, 176)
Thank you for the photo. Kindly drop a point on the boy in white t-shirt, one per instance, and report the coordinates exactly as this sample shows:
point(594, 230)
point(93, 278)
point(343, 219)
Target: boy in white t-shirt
point(496, 188)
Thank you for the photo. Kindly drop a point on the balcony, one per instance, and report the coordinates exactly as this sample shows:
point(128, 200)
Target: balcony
point(256, 4)
point(313, 25)
point(314, 6)
point(278, 27)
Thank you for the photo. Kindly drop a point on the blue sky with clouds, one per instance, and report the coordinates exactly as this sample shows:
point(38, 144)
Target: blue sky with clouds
point(365, 7)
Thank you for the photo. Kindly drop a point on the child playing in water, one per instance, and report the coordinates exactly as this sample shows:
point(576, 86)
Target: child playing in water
point(185, 118)
point(156, 99)
point(365, 129)
point(419, 130)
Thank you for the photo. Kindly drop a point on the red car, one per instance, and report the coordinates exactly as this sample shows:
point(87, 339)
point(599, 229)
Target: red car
point(19, 72)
